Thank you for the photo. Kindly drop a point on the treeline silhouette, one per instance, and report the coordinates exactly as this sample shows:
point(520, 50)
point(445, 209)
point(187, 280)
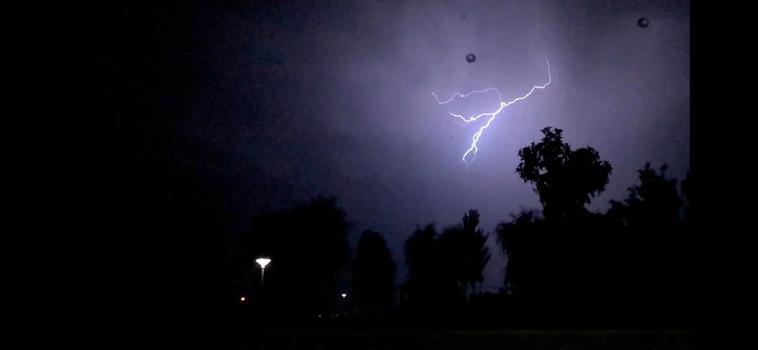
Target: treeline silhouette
point(566, 266)
point(308, 246)
point(443, 268)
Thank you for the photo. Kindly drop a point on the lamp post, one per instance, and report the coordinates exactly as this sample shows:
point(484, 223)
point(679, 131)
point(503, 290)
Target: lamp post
point(263, 262)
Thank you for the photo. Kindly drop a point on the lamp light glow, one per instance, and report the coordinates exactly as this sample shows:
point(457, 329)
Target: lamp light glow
point(263, 262)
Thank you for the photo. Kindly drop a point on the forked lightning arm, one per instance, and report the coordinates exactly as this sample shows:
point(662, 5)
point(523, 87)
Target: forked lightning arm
point(470, 154)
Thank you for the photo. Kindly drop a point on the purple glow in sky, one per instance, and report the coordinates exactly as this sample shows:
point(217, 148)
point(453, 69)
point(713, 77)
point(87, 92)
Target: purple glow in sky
point(299, 98)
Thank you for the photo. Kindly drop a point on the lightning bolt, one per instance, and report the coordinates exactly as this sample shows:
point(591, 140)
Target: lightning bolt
point(470, 154)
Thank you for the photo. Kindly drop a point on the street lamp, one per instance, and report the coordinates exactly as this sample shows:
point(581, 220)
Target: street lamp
point(263, 262)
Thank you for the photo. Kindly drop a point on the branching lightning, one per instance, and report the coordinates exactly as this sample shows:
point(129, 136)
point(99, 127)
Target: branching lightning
point(470, 154)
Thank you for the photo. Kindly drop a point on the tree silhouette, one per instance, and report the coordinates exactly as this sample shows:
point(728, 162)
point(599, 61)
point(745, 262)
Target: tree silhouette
point(432, 290)
point(373, 274)
point(423, 276)
point(307, 246)
point(463, 251)
point(656, 254)
point(628, 265)
point(654, 203)
point(552, 267)
point(514, 239)
point(442, 266)
point(565, 179)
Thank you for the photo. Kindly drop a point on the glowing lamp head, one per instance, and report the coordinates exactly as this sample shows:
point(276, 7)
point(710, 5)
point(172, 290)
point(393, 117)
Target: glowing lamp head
point(242, 299)
point(343, 295)
point(263, 262)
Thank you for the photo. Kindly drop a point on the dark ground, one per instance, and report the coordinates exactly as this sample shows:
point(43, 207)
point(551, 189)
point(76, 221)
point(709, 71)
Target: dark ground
point(474, 340)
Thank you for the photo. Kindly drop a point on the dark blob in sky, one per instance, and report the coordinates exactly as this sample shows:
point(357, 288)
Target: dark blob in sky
point(471, 58)
point(643, 22)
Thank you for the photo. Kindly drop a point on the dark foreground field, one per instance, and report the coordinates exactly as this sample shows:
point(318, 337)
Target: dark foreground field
point(473, 340)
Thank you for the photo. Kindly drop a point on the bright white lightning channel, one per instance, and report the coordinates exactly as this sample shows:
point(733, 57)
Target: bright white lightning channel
point(470, 154)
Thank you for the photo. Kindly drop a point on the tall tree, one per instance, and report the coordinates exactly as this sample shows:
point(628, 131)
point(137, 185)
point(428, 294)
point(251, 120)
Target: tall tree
point(423, 275)
point(550, 263)
point(515, 237)
point(565, 179)
point(657, 251)
point(464, 251)
point(654, 203)
point(432, 289)
point(441, 267)
point(373, 274)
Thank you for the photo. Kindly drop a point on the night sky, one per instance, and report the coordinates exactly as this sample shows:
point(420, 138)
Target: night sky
point(271, 103)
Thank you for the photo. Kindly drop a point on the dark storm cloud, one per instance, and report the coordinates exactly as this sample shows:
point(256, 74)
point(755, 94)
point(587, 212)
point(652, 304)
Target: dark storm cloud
point(305, 98)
